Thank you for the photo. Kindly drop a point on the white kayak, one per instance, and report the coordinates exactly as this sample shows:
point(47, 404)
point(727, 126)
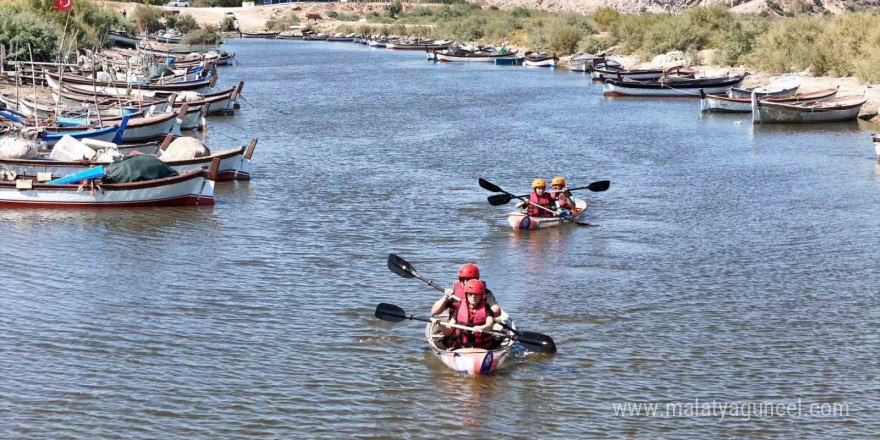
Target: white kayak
point(519, 219)
point(471, 360)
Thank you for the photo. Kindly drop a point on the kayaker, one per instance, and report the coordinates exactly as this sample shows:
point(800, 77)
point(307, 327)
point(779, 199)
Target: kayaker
point(540, 197)
point(562, 196)
point(448, 301)
point(473, 313)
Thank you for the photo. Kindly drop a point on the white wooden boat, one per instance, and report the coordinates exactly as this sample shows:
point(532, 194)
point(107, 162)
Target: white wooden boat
point(617, 72)
point(427, 45)
point(786, 85)
point(673, 87)
point(140, 128)
point(373, 42)
point(539, 60)
point(519, 220)
point(190, 188)
point(480, 57)
point(727, 104)
point(584, 62)
point(844, 108)
point(117, 88)
point(471, 360)
point(235, 164)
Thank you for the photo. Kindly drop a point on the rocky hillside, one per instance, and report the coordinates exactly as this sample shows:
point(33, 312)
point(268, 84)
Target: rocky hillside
point(772, 7)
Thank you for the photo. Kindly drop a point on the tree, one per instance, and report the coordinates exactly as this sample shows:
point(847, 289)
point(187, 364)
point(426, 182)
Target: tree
point(394, 8)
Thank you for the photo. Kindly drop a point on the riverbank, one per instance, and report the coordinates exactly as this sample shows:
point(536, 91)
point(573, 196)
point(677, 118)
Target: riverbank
point(848, 58)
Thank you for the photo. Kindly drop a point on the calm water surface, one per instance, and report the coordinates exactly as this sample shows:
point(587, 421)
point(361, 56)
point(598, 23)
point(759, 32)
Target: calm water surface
point(733, 263)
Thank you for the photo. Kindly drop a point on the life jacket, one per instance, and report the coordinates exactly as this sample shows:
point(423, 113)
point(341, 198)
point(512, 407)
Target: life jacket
point(466, 339)
point(544, 200)
point(562, 200)
point(458, 291)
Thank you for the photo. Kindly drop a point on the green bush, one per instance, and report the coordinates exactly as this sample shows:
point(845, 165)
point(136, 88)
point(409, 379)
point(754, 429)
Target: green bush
point(201, 36)
point(521, 13)
point(344, 29)
point(18, 29)
point(738, 41)
point(227, 24)
point(146, 18)
point(394, 8)
point(186, 23)
point(282, 24)
point(604, 17)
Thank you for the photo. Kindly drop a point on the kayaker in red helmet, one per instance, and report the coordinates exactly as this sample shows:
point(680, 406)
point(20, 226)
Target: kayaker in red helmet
point(562, 196)
point(473, 312)
point(539, 196)
point(448, 301)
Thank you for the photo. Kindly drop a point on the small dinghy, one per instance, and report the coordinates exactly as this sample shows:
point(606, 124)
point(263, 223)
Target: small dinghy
point(519, 219)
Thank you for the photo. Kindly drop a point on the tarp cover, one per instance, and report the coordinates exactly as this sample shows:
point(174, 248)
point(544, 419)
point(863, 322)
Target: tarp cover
point(159, 71)
point(137, 168)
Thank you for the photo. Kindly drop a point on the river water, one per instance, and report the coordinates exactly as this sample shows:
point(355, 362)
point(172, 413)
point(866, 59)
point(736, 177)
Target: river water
point(731, 263)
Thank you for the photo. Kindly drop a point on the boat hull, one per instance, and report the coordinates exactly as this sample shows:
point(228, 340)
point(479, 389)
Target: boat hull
point(187, 189)
point(472, 360)
point(235, 164)
point(473, 59)
point(763, 112)
point(726, 104)
point(551, 63)
point(520, 221)
point(668, 89)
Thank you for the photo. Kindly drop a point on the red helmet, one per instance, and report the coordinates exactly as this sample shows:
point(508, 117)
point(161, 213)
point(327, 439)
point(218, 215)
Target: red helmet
point(475, 286)
point(469, 271)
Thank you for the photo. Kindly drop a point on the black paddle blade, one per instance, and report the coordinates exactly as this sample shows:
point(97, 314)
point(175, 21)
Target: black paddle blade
point(489, 186)
point(536, 342)
point(400, 266)
point(390, 313)
point(499, 199)
point(599, 186)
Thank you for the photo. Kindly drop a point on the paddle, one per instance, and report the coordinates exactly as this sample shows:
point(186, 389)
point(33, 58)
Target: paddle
point(503, 199)
point(405, 269)
point(530, 340)
point(487, 185)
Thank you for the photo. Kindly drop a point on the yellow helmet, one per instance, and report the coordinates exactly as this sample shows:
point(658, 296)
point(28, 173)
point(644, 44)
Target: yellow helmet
point(558, 180)
point(539, 183)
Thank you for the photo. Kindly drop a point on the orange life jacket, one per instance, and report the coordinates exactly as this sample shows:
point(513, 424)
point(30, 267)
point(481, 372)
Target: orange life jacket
point(544, 200)
point(463, 316)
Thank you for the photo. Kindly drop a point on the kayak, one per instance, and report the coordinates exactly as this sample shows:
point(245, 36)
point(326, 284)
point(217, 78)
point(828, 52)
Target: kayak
point(471, 360)
point(519, 219)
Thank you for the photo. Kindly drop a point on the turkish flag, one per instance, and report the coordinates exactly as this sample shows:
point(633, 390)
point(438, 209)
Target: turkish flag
point(62, 5)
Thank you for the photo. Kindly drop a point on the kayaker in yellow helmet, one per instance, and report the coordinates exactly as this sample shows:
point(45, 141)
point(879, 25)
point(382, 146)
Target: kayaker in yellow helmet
point(540, 197)
point(562, 196)
point(448, 301)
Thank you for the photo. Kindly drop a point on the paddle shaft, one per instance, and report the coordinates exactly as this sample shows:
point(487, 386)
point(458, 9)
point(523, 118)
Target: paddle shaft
point(458, 326)
point(569, 189)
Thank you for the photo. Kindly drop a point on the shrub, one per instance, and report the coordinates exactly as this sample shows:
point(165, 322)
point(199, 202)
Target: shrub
point(344, 29)
point(282, 24)
point(201, 36)
point(20, 29)
point(738, 41)
point(394, 8)
point(146, 18)
point(365, 29)
point(521, 13)
point(564, 39)
point(186, 23)
point(604, 17)
point(228, 24)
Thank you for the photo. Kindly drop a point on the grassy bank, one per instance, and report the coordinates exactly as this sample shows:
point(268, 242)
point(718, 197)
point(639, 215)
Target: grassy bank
point(34, 24)
point(844, 45)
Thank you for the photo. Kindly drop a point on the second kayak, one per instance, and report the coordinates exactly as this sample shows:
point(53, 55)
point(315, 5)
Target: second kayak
point(519, 219)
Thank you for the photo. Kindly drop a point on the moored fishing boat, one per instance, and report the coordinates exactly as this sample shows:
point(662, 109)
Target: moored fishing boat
point(377, 42)
point(259, 34)
point(520, 220)
point(585, 62)
point(844, 108)
point(122, 88)
point(471, 360)
point(786, 85)
point(235, 164)
point(418, 44)
point(475, 56)
point(726, 104)
point(539, 60)
point(617, 72)
point(186, 189)
point(138, 129)
point(315, 37)
point(672, 87)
